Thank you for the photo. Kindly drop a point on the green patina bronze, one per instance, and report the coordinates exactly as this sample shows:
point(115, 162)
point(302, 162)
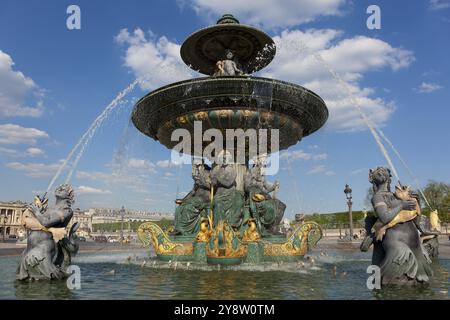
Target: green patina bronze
point(188, 215)
point(232, 213)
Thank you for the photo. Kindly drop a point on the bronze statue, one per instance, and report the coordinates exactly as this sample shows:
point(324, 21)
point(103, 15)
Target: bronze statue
point(265, 209)
point(195, 205)
point(228, 201)
point(49, 245)
point(227, 67)
point(398, 249)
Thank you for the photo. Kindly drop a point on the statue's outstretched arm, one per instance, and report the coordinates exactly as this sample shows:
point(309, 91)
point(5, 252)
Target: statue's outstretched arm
point(236, 68)
point(53, 216)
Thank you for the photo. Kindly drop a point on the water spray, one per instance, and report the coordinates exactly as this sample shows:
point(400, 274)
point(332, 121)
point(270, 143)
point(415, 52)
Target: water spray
point(413, 177)
point(376, 132)
point(361, 112)
point(85, 138)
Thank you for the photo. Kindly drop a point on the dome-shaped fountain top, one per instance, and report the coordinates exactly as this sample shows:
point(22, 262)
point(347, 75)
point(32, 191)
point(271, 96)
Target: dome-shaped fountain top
point(252, 48)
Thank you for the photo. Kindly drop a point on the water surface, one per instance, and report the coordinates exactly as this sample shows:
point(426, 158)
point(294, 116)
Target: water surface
point(113, 276)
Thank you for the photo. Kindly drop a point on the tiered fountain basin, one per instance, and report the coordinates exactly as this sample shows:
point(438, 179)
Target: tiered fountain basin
point(231, 102)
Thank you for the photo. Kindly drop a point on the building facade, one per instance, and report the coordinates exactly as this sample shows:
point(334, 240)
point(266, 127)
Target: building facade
point(108, 215)
point(10, 219)
point(84, 220)
point(11, 216)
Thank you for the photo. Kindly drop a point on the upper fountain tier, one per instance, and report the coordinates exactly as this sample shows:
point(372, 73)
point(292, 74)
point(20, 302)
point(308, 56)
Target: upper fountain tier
point(252, 48)
point(229, 99)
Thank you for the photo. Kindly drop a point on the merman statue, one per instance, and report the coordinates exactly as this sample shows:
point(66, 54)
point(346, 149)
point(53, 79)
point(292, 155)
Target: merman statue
point(228, 201)
point(50, 245)
point(195, 205)
point(264, 208)
point(398, 249)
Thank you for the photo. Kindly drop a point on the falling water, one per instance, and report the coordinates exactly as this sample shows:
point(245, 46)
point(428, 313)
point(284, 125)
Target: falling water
point(361, 112)
point(87, 136)
point(297, 193)
point(413, 177)
point(376, 132)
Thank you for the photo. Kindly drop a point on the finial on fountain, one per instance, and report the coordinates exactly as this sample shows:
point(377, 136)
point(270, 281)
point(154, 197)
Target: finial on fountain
point(228, 19)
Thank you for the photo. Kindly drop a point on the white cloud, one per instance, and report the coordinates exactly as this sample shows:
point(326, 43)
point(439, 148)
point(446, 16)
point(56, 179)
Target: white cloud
point(426, 87)
point(35, 170)
point(157, 61)
point(350, 58)
point(320, 156)
point(294, 155)
point(321, 169)
point(35, 152)
point(30, 152)
point(133, 175)
point(91, 190)
point(439, 4)
point(302, 155)
point(141, 164)
point(167, 164)
point(9, 152)
point(15, 88)
point(15, 134)
point(168, 174)
point(358, 171)
point(268, 13)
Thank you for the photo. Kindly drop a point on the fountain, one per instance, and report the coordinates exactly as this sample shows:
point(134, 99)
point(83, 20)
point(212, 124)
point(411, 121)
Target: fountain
point(230, 217)
point(232, 214)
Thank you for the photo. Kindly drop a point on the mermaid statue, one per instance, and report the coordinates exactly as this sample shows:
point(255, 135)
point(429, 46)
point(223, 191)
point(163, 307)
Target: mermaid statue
point(195, 205)
point(50, 246)
point(264, 208)
point(398, 248)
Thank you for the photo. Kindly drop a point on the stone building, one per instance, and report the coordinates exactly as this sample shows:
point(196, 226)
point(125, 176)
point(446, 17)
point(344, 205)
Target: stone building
point(10, 219)
point(109, 215)
point(85, 221)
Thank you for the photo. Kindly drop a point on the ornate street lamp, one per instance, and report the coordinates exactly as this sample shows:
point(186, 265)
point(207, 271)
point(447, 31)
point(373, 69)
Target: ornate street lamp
point(122, 215)
point(3, 216)
point(348, 194)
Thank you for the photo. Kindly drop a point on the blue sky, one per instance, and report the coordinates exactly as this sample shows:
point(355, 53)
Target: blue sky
point(54, 82)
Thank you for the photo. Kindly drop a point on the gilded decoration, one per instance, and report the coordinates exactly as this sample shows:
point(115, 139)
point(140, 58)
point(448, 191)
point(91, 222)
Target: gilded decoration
point(302, 238)
point(151, 233)
point(229, 247)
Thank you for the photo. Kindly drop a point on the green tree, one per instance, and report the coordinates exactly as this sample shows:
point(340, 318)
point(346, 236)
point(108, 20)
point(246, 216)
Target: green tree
point(438, 196)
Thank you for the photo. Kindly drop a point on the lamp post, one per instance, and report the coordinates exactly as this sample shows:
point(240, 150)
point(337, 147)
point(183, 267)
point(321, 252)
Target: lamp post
point(3, 216)
point(348, 195)
point(129, 231)
point(122, 216)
